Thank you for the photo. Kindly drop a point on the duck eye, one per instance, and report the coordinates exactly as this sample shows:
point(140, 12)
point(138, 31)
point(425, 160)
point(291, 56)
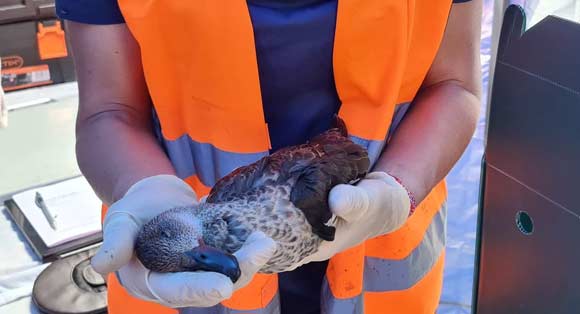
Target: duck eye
point(166, 233)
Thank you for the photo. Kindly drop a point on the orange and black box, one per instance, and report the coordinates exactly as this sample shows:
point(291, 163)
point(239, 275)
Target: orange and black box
point(33, 46)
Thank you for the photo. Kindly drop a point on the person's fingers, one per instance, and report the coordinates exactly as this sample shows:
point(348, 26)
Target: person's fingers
point(348, 202)
point(170, 185)
point(190, 289)
point(380, 175)
point(255, 253)
point(325, 251)
point(154, 195)
point(390, 202)
point(118, 242)
point(143, 201)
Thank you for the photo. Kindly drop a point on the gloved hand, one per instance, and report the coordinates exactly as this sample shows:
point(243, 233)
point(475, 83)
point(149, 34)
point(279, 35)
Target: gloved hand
point(375, 206)
point(143, 201)
point(196, 289)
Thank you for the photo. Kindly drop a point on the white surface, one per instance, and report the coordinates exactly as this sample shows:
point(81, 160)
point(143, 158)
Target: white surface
point(19, 266)
point(537, 10)
point(73, 205)
point(30, 103)
point(21, 306)
point(37, 148)
point(18, 99)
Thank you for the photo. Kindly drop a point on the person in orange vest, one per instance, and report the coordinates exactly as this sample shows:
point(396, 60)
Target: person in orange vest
point(174, 94)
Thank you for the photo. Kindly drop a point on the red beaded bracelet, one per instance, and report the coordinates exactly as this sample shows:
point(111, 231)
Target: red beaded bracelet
point(411, 196)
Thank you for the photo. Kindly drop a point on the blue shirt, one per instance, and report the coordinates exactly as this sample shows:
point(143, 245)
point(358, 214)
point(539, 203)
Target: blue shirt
point(294, 43)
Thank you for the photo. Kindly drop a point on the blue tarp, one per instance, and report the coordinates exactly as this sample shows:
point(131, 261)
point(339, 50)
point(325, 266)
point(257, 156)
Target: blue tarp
point(463, 183)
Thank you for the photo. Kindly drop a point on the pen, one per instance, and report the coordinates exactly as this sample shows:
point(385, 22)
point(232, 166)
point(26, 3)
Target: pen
point(42, 205)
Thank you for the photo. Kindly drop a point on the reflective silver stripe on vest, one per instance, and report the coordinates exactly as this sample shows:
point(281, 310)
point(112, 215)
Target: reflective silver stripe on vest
point(210, 163)
point(205, 160)
point(390, 275)
point(374, 147)
point(331, 305)
point(400, 112)
point(382, 275)
point(272, 308)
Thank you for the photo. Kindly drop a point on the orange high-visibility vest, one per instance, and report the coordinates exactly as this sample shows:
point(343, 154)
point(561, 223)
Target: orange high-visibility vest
point(200, 65)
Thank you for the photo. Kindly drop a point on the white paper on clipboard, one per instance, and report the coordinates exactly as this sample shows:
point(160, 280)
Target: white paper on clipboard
point(74, 206)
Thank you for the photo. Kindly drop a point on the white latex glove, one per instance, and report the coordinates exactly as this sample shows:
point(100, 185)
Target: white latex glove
point(143, 201)
point(375, 206)
point(196, 289)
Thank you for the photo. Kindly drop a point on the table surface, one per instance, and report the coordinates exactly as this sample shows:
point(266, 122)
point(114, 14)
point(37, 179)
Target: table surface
point(37, 148)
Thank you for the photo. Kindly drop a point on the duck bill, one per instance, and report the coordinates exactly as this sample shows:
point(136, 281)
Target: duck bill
point(207, 258)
